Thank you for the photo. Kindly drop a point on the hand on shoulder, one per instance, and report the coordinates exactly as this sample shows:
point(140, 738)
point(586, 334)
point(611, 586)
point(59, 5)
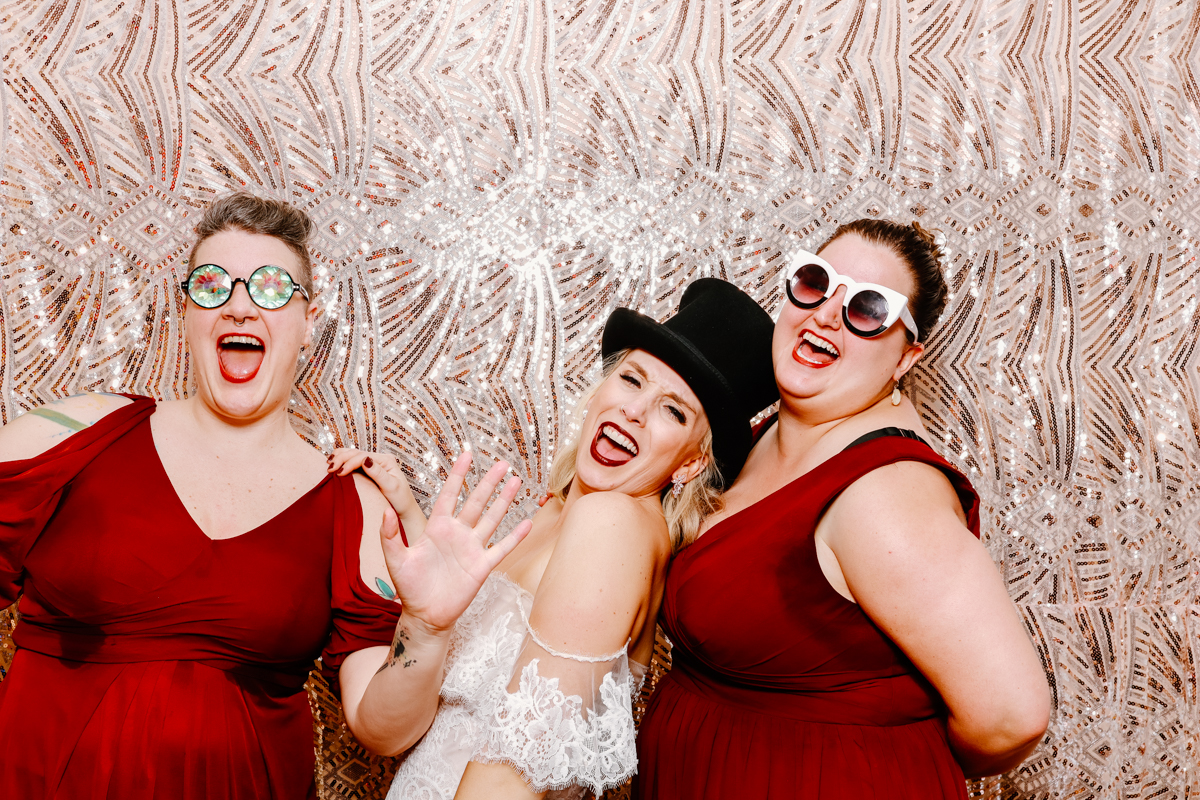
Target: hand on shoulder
point(387, 474)
point(44, 427)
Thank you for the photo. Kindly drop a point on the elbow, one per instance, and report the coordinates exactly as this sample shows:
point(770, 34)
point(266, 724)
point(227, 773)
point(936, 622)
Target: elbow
point(382, 745)
point(1030, 719)
point(381, 738)
point(1005, 741)
point(1019, 739)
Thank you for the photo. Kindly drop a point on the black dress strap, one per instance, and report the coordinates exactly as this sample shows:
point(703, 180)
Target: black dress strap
point(875, 434)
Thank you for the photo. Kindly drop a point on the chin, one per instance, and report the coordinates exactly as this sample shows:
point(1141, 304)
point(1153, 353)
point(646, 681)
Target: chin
point(799, 382)
point(243, 400)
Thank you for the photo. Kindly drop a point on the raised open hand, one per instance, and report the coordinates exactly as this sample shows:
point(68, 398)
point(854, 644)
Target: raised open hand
point(440, 571)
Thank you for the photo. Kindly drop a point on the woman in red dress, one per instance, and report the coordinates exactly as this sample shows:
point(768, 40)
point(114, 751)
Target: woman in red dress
point(180, 565)
point(839, 630)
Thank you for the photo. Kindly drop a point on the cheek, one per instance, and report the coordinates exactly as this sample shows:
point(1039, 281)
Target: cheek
point(194, 330)
point(871, 360)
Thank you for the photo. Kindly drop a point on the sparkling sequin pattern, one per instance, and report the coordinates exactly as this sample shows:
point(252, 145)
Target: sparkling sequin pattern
point(489, 180)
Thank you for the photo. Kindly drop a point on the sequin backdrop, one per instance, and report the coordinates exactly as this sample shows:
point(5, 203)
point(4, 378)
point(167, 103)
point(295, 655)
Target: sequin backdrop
point(490, 178)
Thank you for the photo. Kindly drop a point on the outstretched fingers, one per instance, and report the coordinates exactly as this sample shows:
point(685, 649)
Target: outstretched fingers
point(473, 508)
point(491, 520)
point(448, 497)
point(500, 550)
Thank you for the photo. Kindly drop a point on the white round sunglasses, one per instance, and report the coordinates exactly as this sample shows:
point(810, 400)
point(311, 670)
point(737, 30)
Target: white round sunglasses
point(868, 309)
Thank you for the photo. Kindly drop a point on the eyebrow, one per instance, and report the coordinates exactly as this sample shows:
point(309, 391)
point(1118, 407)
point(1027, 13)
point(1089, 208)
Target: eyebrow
point(636, 367)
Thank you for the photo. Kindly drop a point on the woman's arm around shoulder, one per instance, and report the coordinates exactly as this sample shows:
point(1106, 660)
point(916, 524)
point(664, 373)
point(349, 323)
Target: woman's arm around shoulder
point(40, 429)
point(899, 537)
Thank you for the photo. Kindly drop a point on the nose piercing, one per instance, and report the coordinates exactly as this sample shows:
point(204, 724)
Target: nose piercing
point(239, 324)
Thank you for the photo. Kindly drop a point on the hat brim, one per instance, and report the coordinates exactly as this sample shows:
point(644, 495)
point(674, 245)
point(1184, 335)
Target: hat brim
point(626, 329)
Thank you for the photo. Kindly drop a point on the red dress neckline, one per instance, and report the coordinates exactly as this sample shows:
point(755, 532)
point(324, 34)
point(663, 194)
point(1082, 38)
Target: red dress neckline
point(182, 508)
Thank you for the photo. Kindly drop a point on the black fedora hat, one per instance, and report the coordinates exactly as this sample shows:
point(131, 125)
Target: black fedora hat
point(720, 343)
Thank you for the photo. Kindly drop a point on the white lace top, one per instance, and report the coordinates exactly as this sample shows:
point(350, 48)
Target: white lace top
point(564, 722)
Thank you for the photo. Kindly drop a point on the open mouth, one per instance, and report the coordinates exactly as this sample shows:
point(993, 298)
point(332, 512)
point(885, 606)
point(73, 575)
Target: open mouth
point(815, 350)
point(240, 355)
point(613, 446)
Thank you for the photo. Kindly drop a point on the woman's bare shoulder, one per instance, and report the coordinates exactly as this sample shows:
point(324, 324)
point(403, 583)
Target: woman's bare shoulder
point(916, 499)
point(604, 527)
point(44, 427)
point(613, 510)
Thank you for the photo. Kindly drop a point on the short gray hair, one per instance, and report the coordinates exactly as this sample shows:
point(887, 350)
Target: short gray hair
point(265, 216)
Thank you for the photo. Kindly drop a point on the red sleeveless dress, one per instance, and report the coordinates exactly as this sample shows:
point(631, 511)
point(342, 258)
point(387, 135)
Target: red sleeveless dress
point(781, 688)
point(152, 661)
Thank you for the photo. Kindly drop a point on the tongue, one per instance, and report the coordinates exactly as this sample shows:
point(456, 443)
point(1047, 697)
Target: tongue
point(815, 354)
point(610, 451)
point(241, 364)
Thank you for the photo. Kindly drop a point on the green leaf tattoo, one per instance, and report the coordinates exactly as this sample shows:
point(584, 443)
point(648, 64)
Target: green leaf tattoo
point(60, 419)
point(384, 589)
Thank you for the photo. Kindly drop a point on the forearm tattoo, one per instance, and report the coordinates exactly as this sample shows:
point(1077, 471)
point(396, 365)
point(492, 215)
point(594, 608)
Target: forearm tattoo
point(397, 654)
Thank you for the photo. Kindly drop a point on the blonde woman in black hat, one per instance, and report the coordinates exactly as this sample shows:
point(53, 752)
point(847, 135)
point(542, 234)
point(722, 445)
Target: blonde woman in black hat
point(543, 665)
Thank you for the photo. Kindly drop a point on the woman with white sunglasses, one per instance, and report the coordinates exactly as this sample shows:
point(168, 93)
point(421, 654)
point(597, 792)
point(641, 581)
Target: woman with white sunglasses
point(839, 630)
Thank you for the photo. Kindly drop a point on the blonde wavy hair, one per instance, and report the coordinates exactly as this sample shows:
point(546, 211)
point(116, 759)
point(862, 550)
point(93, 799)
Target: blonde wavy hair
point(700, 497)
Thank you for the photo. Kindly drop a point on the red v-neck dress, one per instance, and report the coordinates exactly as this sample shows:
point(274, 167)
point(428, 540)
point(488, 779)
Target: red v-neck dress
point(780, 688)
point(153, 661)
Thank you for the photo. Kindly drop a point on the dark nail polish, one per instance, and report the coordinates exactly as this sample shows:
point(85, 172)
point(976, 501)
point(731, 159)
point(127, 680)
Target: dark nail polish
point(368, 463)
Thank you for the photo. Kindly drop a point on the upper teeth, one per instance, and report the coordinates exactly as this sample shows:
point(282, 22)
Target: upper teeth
point(624, 441)
point(240, 340)
point(819, 343)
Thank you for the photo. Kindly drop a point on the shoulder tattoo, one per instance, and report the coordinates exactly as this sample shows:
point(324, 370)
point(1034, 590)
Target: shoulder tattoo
point(385, 590)
point(58, 418)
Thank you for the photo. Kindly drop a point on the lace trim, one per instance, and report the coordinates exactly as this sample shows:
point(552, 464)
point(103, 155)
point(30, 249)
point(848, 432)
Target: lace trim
point(546, 736)
point(533, 634)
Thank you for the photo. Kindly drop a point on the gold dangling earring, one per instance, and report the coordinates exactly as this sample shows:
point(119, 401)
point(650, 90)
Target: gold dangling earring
point(896, 394)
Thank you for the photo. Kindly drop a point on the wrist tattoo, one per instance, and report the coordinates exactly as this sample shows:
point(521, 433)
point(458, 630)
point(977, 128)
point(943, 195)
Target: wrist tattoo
point(397, 654)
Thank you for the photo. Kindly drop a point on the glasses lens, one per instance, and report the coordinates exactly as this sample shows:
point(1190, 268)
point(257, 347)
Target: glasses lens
point(867, 312)
point(209, 286)
point(808, 285)
point(271, 287)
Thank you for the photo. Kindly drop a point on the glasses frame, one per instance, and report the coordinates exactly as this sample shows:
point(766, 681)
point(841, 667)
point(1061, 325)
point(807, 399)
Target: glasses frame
point(296, 287)
point(897, 303)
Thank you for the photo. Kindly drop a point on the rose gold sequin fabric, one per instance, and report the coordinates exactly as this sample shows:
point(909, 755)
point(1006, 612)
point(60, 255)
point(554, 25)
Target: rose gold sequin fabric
point(490, 178)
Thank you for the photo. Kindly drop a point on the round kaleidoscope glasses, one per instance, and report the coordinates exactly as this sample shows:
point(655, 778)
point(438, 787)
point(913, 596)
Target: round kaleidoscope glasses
point(270, 287)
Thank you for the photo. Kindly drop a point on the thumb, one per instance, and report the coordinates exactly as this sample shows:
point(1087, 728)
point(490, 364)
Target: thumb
point(391, 526)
